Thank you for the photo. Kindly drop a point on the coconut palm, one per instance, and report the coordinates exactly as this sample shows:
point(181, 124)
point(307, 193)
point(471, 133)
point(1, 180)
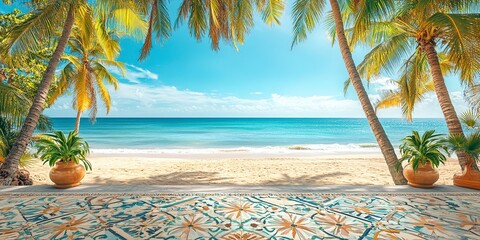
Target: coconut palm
point(425, 28)
point(415, 81)
point(127, 16)
point(87, 65)
point(45, 22)
point(306, 15)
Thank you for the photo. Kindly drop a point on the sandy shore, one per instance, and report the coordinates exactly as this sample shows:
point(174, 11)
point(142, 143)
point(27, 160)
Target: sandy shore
point(338, 169)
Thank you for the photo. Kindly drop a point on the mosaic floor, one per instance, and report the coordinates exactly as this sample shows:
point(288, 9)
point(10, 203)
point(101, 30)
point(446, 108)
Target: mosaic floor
point(240, 216)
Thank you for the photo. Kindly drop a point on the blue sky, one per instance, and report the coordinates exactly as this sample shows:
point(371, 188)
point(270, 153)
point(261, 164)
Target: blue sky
point(265, 78)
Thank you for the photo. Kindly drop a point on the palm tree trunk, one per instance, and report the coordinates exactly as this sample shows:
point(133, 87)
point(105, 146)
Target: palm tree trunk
point(383, 142)
point(453, 123)
point(77, 122)
point(9, 168)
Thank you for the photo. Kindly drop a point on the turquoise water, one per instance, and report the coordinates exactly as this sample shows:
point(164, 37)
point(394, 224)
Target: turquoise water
point(240, 133)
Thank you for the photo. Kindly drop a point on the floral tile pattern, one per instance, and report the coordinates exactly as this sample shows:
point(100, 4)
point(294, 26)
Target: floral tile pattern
point(240, 216)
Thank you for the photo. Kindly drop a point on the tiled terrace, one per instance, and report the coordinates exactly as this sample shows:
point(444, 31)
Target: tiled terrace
point(239, 212)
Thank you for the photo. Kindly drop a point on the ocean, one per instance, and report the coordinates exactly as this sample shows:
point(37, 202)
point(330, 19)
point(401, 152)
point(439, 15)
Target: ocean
point(256, 135)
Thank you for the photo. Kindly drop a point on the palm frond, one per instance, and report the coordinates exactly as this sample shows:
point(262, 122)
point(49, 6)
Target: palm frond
point(159, 21)
point(30, 34)
point(369, 19)
point(387, 56)
point(473, 96)
point(306, 15)
point(27, 160)
point(459, 34)
point(470, 118)
point(468, 144)
point(420, 150)
point(124, 16)
point(14, 105)
point(64, 81)
point(56, 147)
point(107, 39)
point(271, 10)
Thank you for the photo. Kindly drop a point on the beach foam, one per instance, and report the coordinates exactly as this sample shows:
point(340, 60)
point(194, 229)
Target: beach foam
point(308, 149)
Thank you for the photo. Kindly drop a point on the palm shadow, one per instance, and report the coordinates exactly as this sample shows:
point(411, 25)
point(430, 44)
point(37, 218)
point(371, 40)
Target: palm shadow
point(319, 179)
point(175, 178)
point(214, 178)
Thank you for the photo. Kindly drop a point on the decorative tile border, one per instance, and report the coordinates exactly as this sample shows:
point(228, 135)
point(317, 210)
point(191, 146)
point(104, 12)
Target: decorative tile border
point(284, 194)
point(63, 215)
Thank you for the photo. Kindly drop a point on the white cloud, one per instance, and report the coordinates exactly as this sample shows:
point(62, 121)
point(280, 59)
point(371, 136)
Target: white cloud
point(168, 101)
point(140, 100)
point(134, 74)
point(61, 105)
point(383, 83)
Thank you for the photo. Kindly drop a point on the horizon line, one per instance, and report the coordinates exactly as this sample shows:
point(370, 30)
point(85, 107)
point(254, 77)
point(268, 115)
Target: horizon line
point(206, 117)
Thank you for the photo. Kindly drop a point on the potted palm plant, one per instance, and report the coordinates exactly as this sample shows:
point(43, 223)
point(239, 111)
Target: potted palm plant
point(423, 154)
point(64, 154)
point(470, 145)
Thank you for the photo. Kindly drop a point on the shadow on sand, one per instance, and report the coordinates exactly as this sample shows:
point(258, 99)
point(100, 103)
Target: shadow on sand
point(207, 178)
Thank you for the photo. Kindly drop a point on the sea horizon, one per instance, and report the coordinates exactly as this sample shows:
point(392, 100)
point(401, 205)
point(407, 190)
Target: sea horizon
point(286, 117)
point(253, 135)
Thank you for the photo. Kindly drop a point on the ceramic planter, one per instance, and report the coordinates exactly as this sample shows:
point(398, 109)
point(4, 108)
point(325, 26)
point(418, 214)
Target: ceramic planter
point(67, 175)
point(424, 177)
point(470, 178)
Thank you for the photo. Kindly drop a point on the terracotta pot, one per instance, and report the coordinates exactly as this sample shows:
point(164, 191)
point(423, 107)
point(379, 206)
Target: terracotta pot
point(424, 177)
point(470, 178)
point(66, 175)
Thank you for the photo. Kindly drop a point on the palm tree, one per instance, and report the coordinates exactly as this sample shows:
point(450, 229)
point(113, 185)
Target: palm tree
point(415, 81)
point(44, 23)
point(86, 66)
point(44, 20)
point(420, 28)
point(125, 16)
point(306, 14)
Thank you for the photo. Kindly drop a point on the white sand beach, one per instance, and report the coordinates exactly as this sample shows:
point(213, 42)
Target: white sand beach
point(160, 170)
